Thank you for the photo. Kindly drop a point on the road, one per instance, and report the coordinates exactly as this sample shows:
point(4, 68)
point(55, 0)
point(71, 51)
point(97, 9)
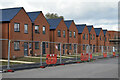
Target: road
point(102, 68)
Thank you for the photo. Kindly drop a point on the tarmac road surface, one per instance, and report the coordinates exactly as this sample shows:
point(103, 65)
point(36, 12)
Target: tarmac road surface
point(102, 68)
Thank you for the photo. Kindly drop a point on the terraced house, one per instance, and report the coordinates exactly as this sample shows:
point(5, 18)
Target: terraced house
point(72, 36)
point(100, 39)
point(83, 38)
point(16, 26)
point(92, 38)
point(40, 33)
point(58, 33)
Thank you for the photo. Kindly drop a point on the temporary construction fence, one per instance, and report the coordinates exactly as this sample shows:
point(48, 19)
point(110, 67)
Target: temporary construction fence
point(22, 54)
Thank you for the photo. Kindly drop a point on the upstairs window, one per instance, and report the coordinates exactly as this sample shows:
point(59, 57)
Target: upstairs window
point(70, 34)
point(93, 36)
point(100, 37)
point(90, 36)
point(43, 29)
point(74, 34)
point(59, 33)
point(83, 36)
point(26, 28)
point(36, 29)
point(64, 34)
point(16, 27)
point(105, 39)
point(87, 36)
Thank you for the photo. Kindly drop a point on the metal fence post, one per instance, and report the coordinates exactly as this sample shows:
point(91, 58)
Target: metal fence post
point(8, 66)
point(60, 54)
point(41, 56)
point(76, 52)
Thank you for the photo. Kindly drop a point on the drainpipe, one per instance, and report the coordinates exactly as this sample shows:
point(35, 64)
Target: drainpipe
point(32, 38)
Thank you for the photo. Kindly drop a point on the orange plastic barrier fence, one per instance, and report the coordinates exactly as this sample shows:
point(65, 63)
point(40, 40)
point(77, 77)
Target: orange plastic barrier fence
point(51, 59)
point(113, 53)
point(84, 57)
point(90, 56)
point(104, 55)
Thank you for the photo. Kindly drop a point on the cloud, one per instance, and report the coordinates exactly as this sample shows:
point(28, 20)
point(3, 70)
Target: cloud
point(97, 12)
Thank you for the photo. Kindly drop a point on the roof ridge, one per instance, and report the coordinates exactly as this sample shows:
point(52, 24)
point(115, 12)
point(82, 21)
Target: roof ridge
point(12, 8)
point(35, 12)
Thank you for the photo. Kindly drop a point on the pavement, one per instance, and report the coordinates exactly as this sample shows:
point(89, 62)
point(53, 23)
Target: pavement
point(101, 68)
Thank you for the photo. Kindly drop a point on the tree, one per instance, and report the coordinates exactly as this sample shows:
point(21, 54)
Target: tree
point(53, 16)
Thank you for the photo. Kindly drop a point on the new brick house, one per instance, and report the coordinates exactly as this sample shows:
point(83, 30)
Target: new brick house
point(17, 27)
point(92, 38)
point(58, 33)
point(40, 33)
point(72, 36)
point(100, 39)
point(107, 46)
point(83, 38)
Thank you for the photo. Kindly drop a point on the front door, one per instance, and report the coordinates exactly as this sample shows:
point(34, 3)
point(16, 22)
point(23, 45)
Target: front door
point(43, 47)
point(93, 48)
point(63, 49)
point(25, 49)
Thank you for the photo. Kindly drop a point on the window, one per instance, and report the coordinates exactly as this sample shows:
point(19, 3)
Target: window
point(87, 36)
point(83, 47)
point(70, 47)
point(43, 29)
point(93, 36)
point(100, 37)
point(16, 27)
point(59, 33)
point(47, 44)
point(84, 36)
point(58, 47)
point(70, 34)
point(105, 39)
point(36, 29)
point(36, 45)
point(30, 45)
point(64, 34)
point(74, 34)
point(75, 47)
point(25, 28)
point(90, 36)
point(16, 45)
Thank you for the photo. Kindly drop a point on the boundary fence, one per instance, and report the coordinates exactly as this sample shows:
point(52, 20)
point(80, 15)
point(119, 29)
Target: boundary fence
point(20, 54)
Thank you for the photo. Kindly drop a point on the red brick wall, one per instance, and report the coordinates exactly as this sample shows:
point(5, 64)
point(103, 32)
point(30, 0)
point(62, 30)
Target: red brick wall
point(72, 39)
point(81, 41)
point(92, 41)
point(54, 36)
point(21, 18)
point(41, 21)
point(100, 42)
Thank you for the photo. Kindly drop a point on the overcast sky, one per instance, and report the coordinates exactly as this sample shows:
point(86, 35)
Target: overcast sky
point(100, 13)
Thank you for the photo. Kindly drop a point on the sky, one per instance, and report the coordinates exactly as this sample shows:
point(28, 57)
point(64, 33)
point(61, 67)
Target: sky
point(99, 13)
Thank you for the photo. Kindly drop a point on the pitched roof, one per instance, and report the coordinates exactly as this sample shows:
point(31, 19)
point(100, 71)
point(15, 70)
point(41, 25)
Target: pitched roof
point(104, 31)
point(80, 28)
point(89, 27)
point(97, 31)
point(54, 23)
point(33, 15)
point(9, 13)
point(68, 23)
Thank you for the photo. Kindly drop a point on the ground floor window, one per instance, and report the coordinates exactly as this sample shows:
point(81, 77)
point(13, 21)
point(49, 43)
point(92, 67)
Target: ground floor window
point(83, 47)
point(16, 45)
point(36, 45)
